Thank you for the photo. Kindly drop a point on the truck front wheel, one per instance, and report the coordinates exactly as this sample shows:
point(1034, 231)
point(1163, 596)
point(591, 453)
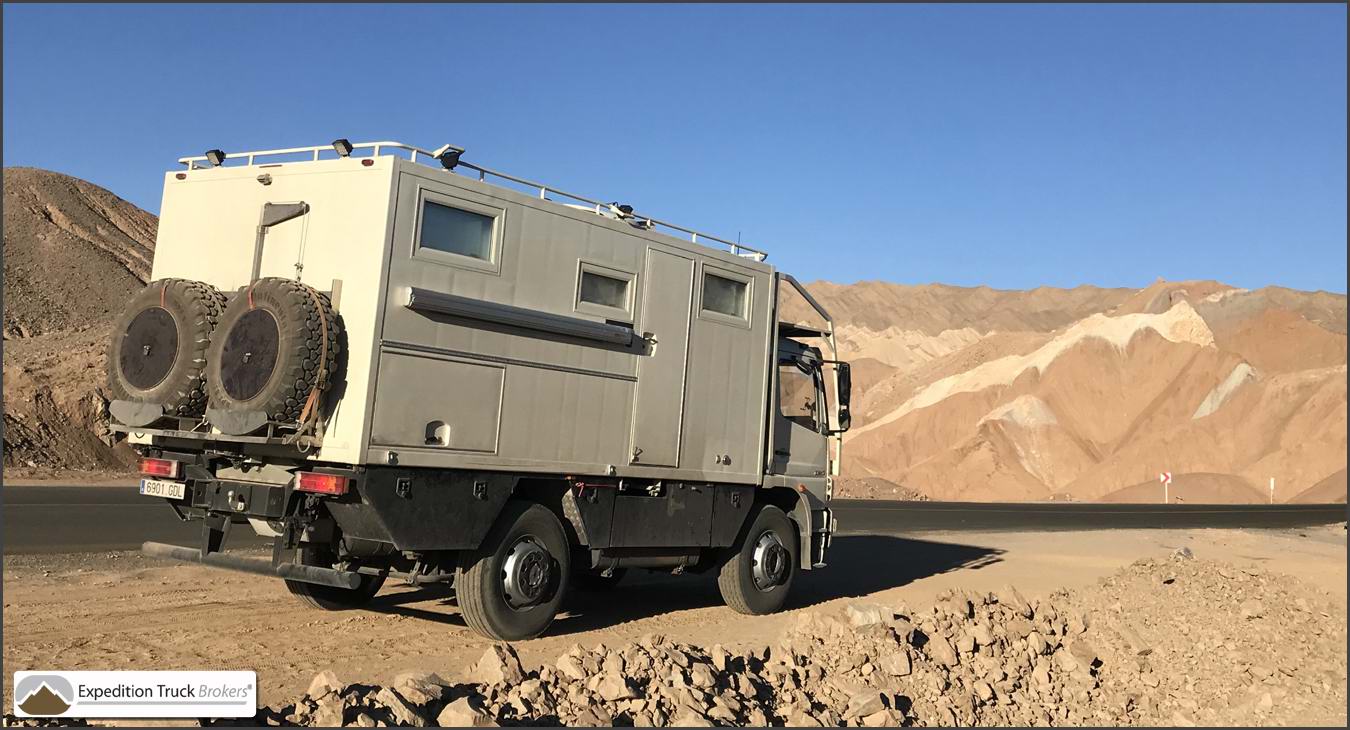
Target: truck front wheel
point(510, 588)
point(330, 598)
point(757, 573)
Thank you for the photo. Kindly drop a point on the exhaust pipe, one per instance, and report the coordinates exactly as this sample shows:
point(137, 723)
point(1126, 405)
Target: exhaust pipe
point(288, 571)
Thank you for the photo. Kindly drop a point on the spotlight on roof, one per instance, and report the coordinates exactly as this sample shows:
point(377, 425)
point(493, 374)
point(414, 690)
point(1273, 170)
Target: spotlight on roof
point(342, 147)
point(622, 211)
point(448, 155)
point(215, 157)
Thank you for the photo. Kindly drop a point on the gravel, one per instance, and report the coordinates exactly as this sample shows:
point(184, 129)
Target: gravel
point(1174, 641)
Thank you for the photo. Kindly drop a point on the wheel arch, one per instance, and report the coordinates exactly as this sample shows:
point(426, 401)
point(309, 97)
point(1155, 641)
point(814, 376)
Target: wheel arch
point(547, 492)
point(797, 506)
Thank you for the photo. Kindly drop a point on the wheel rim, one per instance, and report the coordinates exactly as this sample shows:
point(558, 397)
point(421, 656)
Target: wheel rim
point(249, 355)
point(527, 574)
point(769, 563)
point(149, 348)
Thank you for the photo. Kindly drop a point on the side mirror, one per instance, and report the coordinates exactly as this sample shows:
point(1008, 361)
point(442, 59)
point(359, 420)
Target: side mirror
point(845, 385)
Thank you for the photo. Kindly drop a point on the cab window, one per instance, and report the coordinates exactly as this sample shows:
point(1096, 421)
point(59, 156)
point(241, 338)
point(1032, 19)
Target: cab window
point(797, 395)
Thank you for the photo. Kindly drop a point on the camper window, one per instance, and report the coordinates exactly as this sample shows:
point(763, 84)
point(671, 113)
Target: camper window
point(724, 296)
point(456, 231)
point(605, 292)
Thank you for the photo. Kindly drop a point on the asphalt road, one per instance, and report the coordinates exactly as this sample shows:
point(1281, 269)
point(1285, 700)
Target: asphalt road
point(52, 519)
point(878, 517)
point(59, 519)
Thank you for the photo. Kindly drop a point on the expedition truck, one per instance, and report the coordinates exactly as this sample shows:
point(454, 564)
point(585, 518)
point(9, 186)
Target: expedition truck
point(397, 364)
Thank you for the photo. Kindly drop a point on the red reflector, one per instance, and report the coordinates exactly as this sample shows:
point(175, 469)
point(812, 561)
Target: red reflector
point(160, 468)
point(322, 483)
point(367, 162)
point(181, 176)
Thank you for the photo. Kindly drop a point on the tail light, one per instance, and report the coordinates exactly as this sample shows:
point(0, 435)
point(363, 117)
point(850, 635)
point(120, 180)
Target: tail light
point(308, 481)
point(161, 468)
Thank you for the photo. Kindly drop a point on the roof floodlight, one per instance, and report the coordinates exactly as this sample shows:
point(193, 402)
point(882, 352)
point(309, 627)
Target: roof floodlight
point(448, 155)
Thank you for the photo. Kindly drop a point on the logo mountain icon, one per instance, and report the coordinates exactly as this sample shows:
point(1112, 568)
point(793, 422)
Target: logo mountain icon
point(44, 701)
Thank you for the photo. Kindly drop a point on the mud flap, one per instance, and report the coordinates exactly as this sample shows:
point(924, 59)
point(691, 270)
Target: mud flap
point(133, 413)
point(815, 525)
point(236, 423)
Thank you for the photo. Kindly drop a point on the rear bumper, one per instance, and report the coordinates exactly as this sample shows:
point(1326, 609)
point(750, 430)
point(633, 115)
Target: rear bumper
point(287, 571)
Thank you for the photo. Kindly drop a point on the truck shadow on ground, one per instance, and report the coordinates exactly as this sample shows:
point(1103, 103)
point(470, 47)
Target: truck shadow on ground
point(858, 565)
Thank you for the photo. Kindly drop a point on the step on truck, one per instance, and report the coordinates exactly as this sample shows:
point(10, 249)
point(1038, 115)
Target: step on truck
point(397, 364)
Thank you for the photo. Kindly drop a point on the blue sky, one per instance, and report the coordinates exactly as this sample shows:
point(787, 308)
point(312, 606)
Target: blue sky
point(1013, 146)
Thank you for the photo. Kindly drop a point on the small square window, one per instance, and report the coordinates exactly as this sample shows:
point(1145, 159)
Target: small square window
point(456, 231)
point(605, 291)
point(724, 296)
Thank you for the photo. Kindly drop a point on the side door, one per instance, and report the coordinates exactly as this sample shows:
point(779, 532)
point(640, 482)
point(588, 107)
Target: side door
point(800, 444)
point(658, 404)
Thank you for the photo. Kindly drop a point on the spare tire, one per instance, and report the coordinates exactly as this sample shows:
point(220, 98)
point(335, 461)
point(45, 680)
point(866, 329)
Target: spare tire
point(276, 350)
point(158, 349)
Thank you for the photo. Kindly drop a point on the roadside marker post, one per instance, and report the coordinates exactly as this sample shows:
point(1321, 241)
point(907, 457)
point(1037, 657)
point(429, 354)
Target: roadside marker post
point(1166, 479)
point(1272, 490)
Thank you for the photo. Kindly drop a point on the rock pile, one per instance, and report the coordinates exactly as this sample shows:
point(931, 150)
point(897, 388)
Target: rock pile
point(653, 682)
point(1174, 641)
point(991, 659)
point(1192, 641)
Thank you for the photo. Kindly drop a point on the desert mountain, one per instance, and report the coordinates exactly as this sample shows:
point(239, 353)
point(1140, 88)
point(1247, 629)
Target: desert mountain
point(960, 393)
point(73, 253)
point(1089, 393)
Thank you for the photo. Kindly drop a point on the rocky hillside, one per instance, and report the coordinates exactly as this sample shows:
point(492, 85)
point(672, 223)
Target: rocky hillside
point(73, 253)
point(1089, 393)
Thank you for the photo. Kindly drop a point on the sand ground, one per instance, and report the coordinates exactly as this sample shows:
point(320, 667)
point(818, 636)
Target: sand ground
point(126, 611)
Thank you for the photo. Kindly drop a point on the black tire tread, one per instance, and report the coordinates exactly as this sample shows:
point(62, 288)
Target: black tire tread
point(475, 570)
point(284, 398)
point(206, 305)
point(731, 581)
point(328, 598)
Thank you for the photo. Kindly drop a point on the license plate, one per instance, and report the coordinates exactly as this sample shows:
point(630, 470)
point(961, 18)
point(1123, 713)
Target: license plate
point(158, 488)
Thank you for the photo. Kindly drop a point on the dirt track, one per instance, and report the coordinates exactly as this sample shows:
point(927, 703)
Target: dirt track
point(124, 611)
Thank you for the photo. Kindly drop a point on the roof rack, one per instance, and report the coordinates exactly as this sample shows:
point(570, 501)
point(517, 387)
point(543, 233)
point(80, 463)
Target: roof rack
point(419, 155)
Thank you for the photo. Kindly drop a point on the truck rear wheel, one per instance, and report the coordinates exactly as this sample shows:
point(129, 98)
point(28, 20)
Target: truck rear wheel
point(758, 571)
point(510, 588)
point(330, 598)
